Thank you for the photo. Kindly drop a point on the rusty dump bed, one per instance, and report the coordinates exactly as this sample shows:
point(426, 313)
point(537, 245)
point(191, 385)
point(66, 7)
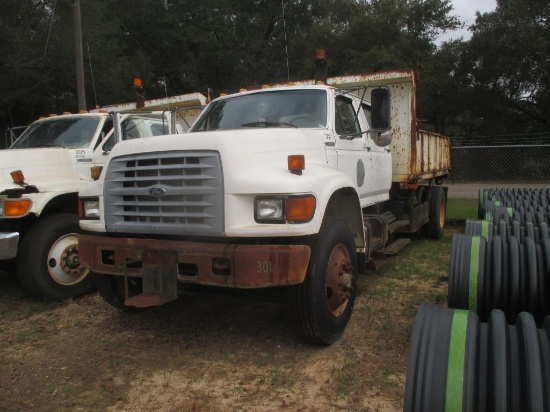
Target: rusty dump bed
point(416, 154)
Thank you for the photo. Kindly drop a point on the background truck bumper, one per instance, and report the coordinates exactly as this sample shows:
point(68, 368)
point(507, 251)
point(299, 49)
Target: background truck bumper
point(230, 265)
point(8, 245)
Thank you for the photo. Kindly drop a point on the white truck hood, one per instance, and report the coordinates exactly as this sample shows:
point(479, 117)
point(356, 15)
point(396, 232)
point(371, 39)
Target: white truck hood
point(45, 168)
point(245, 153)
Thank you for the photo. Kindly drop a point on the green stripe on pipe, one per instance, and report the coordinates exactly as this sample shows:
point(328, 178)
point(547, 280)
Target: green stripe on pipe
point(474, 272)
point(485, 229)
point(455, 367)
point(510, 211)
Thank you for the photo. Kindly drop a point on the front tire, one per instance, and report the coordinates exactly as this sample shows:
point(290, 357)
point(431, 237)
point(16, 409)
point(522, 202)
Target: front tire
point(322, 305)
point(47, 262)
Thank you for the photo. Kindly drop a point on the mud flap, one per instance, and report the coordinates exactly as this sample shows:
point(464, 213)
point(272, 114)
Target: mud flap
point(159, 282)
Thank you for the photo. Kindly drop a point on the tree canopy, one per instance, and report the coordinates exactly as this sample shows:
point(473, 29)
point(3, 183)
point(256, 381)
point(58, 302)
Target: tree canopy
point(495, 82)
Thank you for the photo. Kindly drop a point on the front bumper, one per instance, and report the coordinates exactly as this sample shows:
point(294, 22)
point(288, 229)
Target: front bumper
point(229, 265)
point(8, 245)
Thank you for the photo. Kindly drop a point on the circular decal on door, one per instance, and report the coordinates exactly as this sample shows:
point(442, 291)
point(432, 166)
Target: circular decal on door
point(360, 173)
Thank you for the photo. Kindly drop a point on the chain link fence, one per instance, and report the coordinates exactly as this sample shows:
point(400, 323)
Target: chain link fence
point(504, 161)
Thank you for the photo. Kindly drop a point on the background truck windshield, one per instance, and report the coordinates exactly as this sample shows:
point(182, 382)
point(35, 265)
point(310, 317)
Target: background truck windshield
point(283, 108)
point(69, 132)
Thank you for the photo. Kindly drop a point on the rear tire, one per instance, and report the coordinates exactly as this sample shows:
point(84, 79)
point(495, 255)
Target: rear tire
point(322, 305)
point(47, 262)
point(435, 228)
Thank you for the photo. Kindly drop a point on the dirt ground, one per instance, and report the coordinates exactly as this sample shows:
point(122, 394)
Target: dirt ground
point(215, 351)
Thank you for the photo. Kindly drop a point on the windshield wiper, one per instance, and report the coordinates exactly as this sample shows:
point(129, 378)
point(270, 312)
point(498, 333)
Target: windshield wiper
point(268, 124)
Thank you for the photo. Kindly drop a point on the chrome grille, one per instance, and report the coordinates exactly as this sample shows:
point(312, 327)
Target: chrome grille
point(173, 193)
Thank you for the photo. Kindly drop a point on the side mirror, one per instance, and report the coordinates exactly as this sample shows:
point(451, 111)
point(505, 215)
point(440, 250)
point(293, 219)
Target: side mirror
point(380, 110)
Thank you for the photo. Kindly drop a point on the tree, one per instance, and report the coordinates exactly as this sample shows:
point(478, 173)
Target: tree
point(509, 66)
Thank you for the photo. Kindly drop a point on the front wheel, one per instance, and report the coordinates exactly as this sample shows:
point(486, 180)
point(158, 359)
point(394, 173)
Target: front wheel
point(47, 261)
point(322, 305)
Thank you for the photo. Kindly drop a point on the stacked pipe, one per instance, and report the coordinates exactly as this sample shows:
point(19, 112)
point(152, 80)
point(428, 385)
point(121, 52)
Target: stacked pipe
point(491, 357)
point(525, 201)
point(504, 263)
point(458, 363)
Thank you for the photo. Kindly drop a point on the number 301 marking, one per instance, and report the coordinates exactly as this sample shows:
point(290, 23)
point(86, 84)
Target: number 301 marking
point(264, 266)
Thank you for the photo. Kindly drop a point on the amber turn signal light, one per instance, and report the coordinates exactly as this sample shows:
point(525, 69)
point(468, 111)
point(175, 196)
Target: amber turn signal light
point(300, 209)
point(14, 208)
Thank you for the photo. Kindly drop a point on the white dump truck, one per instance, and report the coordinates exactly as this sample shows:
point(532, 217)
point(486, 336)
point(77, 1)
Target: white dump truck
point(299, 186)
point(40, 176)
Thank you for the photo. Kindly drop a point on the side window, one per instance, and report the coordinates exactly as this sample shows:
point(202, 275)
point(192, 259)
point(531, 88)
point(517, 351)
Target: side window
point(367, 112)
point(107, 127)
point(346, 121)
point(130, 130)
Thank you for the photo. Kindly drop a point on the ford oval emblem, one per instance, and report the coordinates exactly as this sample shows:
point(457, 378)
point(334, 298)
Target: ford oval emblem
point(157, 191)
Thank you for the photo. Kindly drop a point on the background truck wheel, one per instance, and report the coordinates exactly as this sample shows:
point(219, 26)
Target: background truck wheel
point(47, 261)
point(111, 288)
point(322, 305)
point(438, 213)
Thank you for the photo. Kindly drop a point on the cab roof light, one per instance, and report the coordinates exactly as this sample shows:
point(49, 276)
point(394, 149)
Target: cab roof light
point(67, 113)
point(18, 177)
point(296, 163)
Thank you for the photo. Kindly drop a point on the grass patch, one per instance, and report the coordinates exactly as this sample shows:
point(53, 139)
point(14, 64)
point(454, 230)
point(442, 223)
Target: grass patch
point(459, 208)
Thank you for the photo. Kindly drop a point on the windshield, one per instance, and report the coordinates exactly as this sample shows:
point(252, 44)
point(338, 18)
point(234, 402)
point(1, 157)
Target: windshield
point(284, 108)
point(67, 132)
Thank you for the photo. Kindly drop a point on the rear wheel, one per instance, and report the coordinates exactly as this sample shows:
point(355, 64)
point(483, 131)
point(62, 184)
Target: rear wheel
point(47, 261)
point(435, 228)
point(322, 305)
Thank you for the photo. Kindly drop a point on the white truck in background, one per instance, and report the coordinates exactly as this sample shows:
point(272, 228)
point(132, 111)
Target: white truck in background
point(298, 186)
point(40, 176)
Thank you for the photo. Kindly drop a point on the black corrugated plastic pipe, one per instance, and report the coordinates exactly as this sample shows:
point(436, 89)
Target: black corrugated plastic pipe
point(501, 274)
point(457, 363)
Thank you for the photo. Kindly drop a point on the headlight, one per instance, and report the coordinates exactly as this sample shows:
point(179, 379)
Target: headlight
point(269, 210)
point(291, 209)
point(88, 208)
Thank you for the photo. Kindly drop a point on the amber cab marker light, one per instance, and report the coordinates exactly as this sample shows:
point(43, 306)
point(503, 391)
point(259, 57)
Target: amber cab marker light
point(17, 176)
point(95, 172)
point(300, 209)
point(296, 163)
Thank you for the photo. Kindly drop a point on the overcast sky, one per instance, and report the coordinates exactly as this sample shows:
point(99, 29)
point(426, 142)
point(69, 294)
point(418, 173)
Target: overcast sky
point(466, 12)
